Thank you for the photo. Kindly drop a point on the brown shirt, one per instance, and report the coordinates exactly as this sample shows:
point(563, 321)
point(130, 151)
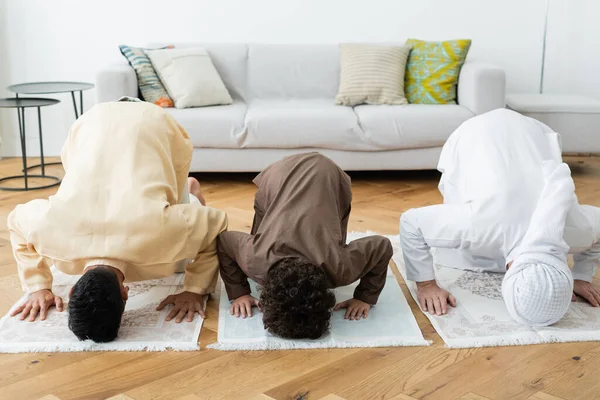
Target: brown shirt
point(302, 208)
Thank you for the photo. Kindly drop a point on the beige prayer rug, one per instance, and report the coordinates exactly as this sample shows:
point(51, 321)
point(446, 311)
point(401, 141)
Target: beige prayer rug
point(142, 328)
point(481, 319)
point(390, 323)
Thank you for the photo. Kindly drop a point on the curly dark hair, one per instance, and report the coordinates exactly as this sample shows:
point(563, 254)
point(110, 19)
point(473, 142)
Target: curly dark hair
point(296, 300)
point(96, 306)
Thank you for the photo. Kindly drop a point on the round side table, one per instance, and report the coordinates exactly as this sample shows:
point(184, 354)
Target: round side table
point(21, 104)
point(50, 88)
point(54, 87)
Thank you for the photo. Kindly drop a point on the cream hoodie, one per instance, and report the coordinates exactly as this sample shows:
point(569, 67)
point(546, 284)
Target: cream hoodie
point(126, 169)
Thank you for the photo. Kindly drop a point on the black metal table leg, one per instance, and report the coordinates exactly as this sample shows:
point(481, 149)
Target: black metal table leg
point(74, 105)
point(18, 113)
point(23, 146)
point(41, 142)
point(80, 102)
point(26, 175)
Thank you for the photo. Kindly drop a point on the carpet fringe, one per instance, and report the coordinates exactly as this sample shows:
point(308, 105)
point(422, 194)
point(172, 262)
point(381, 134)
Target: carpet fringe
point(540, 338)
point(89, 345)
point(303, 345)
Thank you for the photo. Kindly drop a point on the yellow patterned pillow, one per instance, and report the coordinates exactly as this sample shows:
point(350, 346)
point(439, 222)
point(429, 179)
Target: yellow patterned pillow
point(432, 70)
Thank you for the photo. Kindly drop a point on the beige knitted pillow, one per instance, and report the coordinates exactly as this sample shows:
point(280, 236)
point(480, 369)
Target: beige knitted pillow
point(372, 74)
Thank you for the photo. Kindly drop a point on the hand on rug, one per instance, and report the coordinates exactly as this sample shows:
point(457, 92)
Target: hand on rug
point(588, 291)
point(355, 309)
point(242, 306)
point(433, 298)
point(38, 302)
point(184, 303)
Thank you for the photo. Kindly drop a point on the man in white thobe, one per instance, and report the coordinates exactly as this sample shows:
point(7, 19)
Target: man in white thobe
point(508, 204)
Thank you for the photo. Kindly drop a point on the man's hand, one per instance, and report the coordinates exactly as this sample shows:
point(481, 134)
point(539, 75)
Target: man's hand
point(38, 302)
point(433, 298)
point(184, 303)
point(242, 306)
point(587, 291)
point(355, 309)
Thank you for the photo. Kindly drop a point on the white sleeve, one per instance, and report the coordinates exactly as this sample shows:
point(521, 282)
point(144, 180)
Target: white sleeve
point(586, 263)
point(444, 225)
point(545, 234)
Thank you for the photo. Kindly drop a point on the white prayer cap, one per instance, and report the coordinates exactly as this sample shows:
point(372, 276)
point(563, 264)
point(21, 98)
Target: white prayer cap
point(538, 287)
point(536, 293)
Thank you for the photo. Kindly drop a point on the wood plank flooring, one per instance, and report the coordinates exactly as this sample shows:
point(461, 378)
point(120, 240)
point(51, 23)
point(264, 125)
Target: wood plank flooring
point(542, 372)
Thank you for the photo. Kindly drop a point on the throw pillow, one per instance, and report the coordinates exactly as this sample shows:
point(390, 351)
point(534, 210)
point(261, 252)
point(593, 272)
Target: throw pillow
point(190, 77)
point(151, 88)
point(432, 70)
point(372, 74)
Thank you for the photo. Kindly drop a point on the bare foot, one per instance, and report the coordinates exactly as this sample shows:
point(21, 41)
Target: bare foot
point(194, 188)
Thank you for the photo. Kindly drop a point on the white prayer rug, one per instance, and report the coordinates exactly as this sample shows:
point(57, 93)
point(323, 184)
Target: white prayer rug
point(390, 323)
point(142, 327)
point(481, 319)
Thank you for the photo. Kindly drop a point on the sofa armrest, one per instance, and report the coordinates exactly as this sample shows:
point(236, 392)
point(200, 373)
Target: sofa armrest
point(481, 87)
point(116, 81)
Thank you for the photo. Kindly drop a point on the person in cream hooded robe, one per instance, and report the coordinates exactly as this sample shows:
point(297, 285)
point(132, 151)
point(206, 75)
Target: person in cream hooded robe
point(122, 213)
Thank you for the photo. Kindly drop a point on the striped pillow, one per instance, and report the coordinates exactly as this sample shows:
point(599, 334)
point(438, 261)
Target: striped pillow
point(372, 74)
point(150, 86)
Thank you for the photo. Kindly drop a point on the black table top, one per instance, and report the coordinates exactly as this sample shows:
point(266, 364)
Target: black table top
point(49, 87)
point(27, 102)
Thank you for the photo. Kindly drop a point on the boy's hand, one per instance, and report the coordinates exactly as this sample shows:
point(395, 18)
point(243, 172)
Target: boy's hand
point(184, 303)
point(242, 306)
point(38, 302)
point(587, 291)
point(355, 309)
point(433, 298)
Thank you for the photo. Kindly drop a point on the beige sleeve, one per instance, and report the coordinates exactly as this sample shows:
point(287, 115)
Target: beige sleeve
point(34, 271)
point(201, 274)
point(205, 224)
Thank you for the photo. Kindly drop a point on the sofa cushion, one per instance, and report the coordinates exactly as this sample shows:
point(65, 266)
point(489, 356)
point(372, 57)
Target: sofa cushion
point(217, 126)
point(432, 70)
point(149, 84)
point(303, 123)
point(410, 126)
point(230, 61)
point(190, 77)
point(293, 71)
point(372, 74)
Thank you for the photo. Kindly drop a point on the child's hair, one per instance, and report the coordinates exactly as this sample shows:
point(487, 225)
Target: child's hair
point(96, 306)
point(296, 300)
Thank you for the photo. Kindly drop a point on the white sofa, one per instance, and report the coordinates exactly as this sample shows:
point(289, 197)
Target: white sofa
point(284, 104)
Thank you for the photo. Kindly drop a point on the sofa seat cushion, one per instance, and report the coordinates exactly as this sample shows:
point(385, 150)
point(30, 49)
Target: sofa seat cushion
point(299, 123)
point(215, 126)
point(410, 126)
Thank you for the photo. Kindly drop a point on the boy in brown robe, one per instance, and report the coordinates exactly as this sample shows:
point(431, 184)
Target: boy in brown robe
point(297, 250)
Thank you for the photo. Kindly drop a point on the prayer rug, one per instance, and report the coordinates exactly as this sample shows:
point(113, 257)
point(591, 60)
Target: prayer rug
point(390, 323)
point(142, 328)
point(481, 319)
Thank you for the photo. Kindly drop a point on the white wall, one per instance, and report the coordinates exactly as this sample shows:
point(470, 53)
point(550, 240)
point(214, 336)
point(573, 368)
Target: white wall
point(573, 61)
point(72, 39)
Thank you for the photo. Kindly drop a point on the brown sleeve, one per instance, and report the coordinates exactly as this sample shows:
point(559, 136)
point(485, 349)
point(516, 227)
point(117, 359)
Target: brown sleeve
point(368, 260)
point(232, 248)
point(258, 216)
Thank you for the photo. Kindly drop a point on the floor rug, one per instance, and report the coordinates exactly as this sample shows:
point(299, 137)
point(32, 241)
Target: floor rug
point(142, 328)
point(481, 319)
point(390, 323)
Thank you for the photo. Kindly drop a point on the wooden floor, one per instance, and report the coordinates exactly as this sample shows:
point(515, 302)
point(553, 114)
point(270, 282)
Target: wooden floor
point(542, 372)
